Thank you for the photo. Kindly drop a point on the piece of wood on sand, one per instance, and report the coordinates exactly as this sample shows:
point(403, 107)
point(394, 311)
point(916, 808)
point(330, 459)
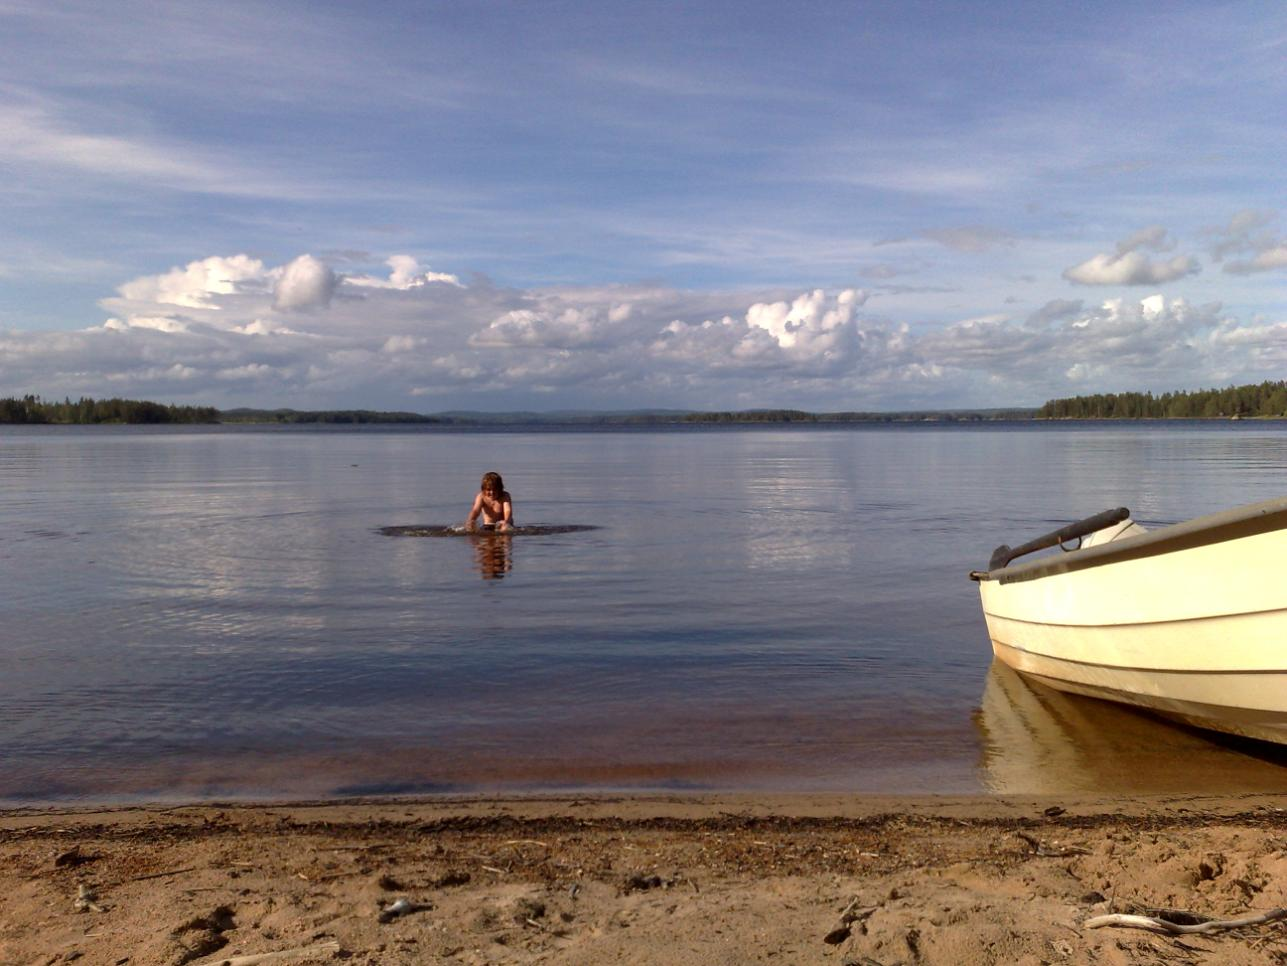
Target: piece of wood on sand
point(1156, 924)
point(280, 956)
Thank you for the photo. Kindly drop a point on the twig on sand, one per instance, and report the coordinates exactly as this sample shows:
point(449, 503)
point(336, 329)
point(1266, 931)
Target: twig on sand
point(1159, 925)
point(161, 875)
point(86, 899)
point(851, 915)
point(403, 907)
point(1040, 849)
point(251, 959)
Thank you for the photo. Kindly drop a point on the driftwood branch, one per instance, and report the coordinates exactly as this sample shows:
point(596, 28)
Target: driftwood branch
point(1155, 924)
point(253, 959)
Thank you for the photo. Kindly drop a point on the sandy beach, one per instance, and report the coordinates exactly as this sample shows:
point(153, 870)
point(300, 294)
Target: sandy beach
point(642, 879)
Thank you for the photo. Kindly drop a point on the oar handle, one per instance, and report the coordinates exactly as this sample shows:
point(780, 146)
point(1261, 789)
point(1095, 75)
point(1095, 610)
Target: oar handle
point(1002, 555)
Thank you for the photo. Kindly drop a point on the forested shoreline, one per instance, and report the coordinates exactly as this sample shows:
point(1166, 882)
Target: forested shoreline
point(88, 412)
point(1266, 399)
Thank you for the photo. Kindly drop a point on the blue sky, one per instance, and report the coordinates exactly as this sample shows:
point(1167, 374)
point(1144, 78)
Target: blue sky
point(714, 205)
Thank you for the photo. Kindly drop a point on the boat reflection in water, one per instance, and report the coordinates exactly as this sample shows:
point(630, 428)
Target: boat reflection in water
point(1039, 741)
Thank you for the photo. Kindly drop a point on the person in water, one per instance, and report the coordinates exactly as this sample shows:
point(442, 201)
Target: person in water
point(493, 504)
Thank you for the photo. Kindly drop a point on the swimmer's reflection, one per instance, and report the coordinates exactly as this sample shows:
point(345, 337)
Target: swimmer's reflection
point(493, 554)
point(1036, 740)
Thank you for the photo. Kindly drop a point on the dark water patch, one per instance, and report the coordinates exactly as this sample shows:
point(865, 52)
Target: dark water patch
point(539, 530)
point(391, 788)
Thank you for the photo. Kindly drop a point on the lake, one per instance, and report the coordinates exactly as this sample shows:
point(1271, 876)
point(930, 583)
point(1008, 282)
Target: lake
point(205, 613)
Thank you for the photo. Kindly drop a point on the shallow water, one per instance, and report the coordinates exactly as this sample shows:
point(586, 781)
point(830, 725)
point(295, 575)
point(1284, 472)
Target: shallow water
point(214, 613)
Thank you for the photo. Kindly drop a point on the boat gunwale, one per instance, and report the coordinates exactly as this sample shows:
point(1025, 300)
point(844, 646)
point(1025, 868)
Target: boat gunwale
point(1247, 521)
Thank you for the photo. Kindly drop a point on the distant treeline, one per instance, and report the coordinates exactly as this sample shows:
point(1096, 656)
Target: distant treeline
point(1265, 399)
point(320, 416)
point(33, 409)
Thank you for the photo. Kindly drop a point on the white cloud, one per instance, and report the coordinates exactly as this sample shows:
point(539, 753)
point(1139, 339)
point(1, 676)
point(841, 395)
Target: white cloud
point(808, 324)
point(195, 285)
point(404, 274)
point(535, 328)
point(1130, 268)
point(263, 327)
point(812, 336)
point(306, 283)
point(1136, 341)
point(161, 323)
point(225, 331)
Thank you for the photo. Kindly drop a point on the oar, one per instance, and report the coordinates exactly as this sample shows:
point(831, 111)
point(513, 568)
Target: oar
point(1002, 555)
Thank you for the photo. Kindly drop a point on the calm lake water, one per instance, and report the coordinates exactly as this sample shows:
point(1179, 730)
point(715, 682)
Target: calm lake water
point(213, 613)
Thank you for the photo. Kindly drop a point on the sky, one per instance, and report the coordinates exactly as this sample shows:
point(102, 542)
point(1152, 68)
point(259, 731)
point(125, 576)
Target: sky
point(601, 205)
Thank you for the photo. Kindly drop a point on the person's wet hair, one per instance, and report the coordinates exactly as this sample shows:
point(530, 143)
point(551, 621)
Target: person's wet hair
point(492, 481)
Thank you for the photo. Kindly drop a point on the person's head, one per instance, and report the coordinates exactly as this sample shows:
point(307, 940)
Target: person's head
point(492, 484)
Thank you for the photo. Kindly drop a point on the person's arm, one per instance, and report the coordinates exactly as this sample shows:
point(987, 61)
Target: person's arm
point(507, 513)
point(474, 511)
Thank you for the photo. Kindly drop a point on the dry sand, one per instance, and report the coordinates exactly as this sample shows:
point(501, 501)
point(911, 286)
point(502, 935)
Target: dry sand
point(678, 881)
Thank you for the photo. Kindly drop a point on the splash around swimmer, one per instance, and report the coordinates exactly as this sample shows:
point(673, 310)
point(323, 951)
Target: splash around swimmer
point(495, 507)
point(433, 530)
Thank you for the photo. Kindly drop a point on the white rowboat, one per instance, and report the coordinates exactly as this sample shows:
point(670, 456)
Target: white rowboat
point(1189, 621)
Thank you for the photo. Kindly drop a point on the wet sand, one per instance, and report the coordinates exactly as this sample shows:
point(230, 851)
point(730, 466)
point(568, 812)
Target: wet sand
point(643, 879)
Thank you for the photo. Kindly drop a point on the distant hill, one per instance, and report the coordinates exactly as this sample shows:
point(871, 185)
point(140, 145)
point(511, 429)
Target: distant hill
point(321, 416)
point(660, 417)
point(909, 416)
point(32, 409)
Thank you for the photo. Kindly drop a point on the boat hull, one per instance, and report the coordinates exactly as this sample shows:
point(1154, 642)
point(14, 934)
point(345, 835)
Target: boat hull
point(1189, 622)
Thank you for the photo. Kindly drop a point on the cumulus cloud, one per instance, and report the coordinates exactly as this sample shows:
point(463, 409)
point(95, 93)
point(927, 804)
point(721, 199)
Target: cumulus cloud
point(404, 274)
point(306, 283)
point(264, 327)
point(557, 328)
point(813, 333)
point(229, 331)
point(197, 284)
point(161, 323)
point(1120, 340)
point(1130, 268)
